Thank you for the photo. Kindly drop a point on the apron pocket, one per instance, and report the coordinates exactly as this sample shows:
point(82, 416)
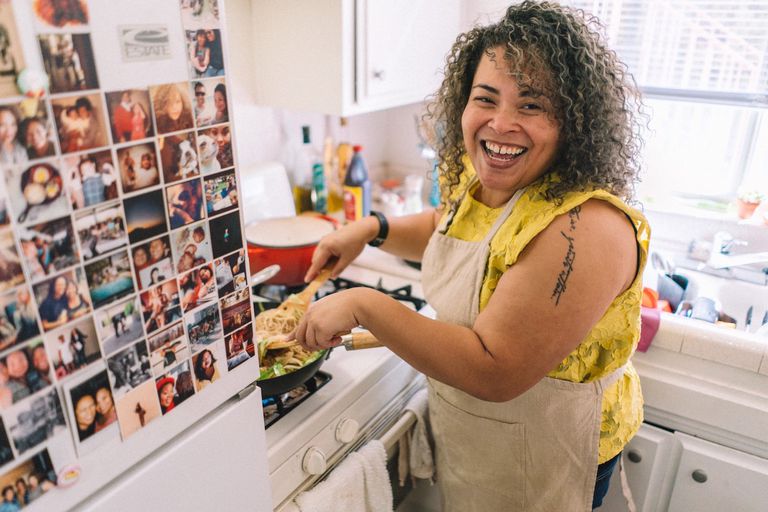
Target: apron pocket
point(479, 457)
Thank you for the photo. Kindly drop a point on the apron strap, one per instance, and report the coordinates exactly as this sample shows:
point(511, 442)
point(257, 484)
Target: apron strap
point(610, 379)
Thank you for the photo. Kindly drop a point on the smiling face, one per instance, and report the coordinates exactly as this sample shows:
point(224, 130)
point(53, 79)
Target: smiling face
point(8, 127)
point(166, 395)
point(220, 101)
point(85, 412)
point(104, 402)
point(36, 136)
point(510, 133)
point(175, 105)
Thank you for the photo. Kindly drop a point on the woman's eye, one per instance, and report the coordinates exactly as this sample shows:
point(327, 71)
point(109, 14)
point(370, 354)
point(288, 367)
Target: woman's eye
point(532, 106)
point(483, 99)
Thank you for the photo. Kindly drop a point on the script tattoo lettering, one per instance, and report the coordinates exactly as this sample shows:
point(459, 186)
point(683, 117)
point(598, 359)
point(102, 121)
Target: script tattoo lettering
point(570, 256)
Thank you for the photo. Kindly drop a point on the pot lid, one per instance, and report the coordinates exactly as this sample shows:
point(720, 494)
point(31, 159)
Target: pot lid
point(288, 231)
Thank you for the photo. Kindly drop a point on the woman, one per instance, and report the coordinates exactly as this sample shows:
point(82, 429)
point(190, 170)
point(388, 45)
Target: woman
point(205, 369)
point(85, 416)
point(105, 409)
point(138, 122)
point(165, 393)
point(220, 102)
point(199, 54)
point(76, 304)
point(10, 503)
point(172, 109)
point(11, 150)
point(36, 139)
point(533, 264)
point(22, 491)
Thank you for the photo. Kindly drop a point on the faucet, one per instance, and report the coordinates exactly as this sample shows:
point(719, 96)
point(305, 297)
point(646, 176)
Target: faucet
point(721, 256)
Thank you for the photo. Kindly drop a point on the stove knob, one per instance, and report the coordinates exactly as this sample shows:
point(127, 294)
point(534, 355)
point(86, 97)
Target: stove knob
point(347, 430)
point(314, 461)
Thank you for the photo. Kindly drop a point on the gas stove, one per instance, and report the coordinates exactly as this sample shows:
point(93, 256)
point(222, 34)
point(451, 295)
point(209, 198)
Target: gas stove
point(366, 392)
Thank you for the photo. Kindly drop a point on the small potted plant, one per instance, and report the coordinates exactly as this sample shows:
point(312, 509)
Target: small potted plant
point(747, 201)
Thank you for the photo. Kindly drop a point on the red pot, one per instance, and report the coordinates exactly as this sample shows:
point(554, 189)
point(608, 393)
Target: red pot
point(288, 242)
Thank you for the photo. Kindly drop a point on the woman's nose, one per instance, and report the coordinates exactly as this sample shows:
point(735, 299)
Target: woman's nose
point(504, 120)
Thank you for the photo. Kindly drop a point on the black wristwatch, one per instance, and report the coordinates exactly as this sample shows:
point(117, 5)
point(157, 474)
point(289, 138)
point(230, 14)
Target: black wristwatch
point(383, 229)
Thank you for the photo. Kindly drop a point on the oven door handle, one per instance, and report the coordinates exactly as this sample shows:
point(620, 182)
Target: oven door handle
point(391, 437)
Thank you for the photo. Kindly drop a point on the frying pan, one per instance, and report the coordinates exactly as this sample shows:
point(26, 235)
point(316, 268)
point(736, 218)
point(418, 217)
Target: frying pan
point(284, 383)
point(41, 184)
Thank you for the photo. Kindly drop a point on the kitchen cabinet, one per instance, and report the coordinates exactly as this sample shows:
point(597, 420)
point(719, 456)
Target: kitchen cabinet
point(348, 57)
point(713, 478)
point(649, 460)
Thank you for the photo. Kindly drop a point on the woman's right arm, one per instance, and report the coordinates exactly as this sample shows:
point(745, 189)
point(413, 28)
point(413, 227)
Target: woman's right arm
point(407, 238)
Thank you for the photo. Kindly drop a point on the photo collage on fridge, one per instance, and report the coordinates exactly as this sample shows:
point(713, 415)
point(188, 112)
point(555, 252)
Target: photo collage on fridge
point(123, 288)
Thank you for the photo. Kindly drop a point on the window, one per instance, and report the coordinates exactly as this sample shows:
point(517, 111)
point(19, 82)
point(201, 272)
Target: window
point(703, 68)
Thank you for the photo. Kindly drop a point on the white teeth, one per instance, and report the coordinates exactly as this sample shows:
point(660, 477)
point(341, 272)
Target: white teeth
point(503, 150)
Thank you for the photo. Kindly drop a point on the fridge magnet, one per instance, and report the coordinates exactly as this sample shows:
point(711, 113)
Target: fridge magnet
point(198, 288)
point(185, 203)
point(191, 246)
point(118, 325)
point(221, 193)
point(33, 477)
point(214, 148)
point(80, 122)
point(91, 178)
point(73, 347)
point(172, 107)
point(92, 409)
point(33, 421)
point(62, 299)
point(167, 348)
point(145, 215)
point(129, 115)
point(160, 306)
point(178, 156)
point(11, 56)
point(198, 53)
point(203, 327)
point(208, 365)
point(207, 111)
point(10, 265)
point(152, 262)
point(68, 60)
point(48, 247)
point(36, 192)
point(128, 369)
point(35, 131)
point(239, 346)
point(144, 42)
point(58, 13)
point(11, 150)
point(230, 273)
point(27, 371)
point(226, 236)
point(175, 387)
point(6, 453)
point(18, 317)
point(100, 230)
point(215, 52)
point(109, 279)
point(199, 13)
point(138, 167)
point(235, 310)
point(137, 409)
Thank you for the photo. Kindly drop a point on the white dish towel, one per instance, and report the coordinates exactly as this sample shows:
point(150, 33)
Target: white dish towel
point(359, 484)
point(415, 448)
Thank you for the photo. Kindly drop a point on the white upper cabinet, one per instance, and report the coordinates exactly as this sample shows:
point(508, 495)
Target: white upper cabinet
point(348, 57)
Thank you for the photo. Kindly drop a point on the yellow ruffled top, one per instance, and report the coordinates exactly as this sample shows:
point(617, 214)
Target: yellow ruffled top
point(611, 341)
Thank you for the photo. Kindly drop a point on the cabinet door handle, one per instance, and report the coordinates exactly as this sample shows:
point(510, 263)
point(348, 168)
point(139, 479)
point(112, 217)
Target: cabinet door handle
point(699, 476)
point(634, 456)
point(378, 74)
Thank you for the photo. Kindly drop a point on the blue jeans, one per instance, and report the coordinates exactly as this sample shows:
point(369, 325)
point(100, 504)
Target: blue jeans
point(604, 472)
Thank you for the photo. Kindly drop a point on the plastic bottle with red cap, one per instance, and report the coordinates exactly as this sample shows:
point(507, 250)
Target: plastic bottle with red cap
point(357, 188)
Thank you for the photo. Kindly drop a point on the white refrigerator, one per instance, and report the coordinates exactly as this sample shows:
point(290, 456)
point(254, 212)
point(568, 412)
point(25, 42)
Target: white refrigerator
point(127, 358)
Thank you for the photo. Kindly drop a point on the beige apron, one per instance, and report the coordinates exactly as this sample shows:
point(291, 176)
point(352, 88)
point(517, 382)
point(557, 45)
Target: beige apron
point(537, 452)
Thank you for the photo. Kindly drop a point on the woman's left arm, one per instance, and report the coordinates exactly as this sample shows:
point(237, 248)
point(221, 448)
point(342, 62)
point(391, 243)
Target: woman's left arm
point(543, 307)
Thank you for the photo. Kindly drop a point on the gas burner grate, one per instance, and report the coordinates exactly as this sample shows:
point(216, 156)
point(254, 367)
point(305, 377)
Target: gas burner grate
point(275, 407)
point(403, 294)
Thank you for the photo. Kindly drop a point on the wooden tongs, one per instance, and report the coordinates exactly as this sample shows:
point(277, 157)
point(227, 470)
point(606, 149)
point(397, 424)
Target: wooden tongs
point(300, 301)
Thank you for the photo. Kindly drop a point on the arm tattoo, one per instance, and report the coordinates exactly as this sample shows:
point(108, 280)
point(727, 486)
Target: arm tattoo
point(570, 256)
